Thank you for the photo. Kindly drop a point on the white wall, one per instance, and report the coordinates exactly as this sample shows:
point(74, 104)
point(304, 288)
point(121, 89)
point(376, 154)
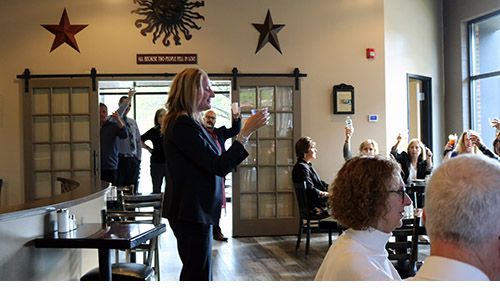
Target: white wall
point(20, 260)
point(324, 39)
point(413, 42)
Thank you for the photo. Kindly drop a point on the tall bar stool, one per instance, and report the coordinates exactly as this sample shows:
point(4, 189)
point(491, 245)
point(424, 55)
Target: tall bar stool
point(145, 203)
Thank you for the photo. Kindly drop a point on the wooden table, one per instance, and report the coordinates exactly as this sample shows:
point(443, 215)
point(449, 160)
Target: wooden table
point(104, 238)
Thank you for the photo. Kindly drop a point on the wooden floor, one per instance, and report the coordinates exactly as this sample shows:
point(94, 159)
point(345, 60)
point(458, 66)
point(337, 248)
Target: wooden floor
point(254, 258)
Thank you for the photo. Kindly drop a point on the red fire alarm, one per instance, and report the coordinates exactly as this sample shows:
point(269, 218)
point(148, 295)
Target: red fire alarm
point(370, 53)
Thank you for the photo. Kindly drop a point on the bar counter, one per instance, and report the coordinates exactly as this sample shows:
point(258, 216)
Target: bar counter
point(21, 224)
point(87, 190)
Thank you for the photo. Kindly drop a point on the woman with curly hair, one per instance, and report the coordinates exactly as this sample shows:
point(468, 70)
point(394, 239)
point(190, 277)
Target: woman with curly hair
point(368, 197)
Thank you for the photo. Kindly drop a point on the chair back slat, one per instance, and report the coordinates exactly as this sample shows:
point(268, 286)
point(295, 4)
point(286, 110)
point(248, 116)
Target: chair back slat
point(300, 192)
point(144, 209)
point(130, 202)
point(405, 248)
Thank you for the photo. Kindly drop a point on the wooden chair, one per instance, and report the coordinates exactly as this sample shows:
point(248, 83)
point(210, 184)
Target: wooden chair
point(145, 203)
point(403, 251)
point(416, 191)
point(126, 190)
point(331, 226)
point(307, 221)
point(67, 185)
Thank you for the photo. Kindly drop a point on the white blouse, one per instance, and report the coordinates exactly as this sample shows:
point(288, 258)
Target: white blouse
point(358, 255)
point(413, 173)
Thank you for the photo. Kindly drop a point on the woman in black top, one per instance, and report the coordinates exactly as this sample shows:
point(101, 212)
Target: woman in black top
point(317, 189)
point(416, 161)
point(158, 164)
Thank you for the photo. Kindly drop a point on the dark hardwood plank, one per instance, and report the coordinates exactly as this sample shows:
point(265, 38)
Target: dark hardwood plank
point(268, 258)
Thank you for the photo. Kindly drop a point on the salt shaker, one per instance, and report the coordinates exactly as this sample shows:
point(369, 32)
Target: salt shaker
point(63, 223)
point(114, 194)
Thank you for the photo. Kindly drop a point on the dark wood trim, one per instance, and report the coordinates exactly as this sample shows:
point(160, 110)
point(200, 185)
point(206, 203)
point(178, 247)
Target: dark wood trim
point(94, 75)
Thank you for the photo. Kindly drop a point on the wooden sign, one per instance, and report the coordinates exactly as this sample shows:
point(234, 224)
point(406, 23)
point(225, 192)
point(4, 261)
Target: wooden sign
point(161, 59)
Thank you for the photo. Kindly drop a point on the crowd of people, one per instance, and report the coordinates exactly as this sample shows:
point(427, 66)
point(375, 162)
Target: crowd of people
point(367, 197)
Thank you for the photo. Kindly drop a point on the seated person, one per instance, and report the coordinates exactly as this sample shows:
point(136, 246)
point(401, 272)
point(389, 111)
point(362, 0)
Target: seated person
point(461, 219)
point(412, 161)
point(367, 147)
point(368, 197)
point(496, 146)
point(478, 142)
point(496, 142)
point(317, 189)
point(469, 142)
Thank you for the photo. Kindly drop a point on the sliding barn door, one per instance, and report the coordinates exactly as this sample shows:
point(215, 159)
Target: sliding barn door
point(263, 197)
point(61, 134)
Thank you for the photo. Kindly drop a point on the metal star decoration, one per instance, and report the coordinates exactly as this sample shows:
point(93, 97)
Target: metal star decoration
point(64, 32)
point(268, 33)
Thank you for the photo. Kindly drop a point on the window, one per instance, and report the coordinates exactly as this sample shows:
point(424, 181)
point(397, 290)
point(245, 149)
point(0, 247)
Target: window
point(484, 72)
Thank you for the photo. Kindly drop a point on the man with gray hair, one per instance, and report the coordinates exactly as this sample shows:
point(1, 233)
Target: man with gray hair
point(462, 218)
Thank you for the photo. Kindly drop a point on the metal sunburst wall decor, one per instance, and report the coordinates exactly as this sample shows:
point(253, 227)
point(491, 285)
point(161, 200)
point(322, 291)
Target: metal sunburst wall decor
point(168, 18)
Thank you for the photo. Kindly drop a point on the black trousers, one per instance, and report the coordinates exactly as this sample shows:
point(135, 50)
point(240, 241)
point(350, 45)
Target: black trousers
point(194, 244)
point(110, 176)
point(128, 171)
point(157, 175)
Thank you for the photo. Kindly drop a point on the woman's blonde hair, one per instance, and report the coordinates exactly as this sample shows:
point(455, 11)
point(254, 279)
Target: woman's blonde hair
point(461, 143)
point(422, 148)
point(183, 95)
point(368, 142)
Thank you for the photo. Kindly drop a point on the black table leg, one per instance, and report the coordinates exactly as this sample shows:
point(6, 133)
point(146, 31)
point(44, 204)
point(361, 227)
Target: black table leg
point(105, 264)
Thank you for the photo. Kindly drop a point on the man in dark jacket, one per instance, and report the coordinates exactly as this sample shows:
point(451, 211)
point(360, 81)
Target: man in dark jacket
point(112, 128)
point(221, 134)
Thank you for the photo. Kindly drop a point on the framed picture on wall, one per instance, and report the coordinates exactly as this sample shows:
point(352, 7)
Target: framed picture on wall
point(343, 99)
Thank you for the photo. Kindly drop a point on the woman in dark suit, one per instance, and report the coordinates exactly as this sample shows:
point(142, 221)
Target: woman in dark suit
point(416, 162)
point(317, 189)
point(196, 167)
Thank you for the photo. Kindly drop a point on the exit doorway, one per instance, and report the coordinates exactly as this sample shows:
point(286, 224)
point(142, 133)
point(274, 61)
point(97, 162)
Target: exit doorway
point(419, 89)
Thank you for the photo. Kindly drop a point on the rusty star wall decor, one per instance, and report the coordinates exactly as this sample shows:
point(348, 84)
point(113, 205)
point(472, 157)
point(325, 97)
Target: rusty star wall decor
point(268, 33)
point(64, 32)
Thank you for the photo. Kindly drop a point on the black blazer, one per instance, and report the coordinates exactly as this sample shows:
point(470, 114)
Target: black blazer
point(195, 171)
point(303, 171)
point(404, 160)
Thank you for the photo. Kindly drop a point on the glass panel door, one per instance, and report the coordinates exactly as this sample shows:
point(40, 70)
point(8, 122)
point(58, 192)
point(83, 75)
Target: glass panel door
point(263, 199)
point(61, 134)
